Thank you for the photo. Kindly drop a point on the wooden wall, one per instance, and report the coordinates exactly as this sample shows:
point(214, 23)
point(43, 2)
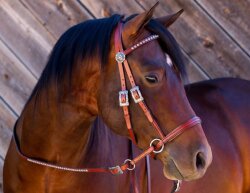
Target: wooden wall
point(213, 35)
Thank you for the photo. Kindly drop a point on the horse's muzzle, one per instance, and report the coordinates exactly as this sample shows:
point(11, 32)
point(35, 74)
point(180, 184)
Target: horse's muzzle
point(182, 163)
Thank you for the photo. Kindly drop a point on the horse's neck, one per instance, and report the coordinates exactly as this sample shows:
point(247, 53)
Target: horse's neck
point(57, 135)
point(58, 130)
point(106, 148)
point(66, 137)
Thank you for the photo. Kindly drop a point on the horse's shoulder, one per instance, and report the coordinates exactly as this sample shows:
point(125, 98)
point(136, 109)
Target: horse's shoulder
point(225, 104)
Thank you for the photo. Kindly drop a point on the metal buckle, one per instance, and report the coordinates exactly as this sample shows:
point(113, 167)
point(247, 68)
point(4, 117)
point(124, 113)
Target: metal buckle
point(123, 98)
point(130, 162)
point(118, 169)
point(136, 94)
point(162, 147)
point(120, 57)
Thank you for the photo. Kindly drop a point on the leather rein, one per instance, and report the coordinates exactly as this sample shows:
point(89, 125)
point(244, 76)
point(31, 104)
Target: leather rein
point(156, 145)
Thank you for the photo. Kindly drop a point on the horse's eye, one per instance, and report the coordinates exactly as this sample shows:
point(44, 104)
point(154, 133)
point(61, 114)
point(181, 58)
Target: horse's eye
point(151, 79)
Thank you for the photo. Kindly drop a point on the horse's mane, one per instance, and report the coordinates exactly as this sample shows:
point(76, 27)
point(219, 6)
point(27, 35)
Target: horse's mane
point(91, 39)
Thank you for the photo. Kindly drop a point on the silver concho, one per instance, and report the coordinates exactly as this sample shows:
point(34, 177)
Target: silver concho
point(120, 57)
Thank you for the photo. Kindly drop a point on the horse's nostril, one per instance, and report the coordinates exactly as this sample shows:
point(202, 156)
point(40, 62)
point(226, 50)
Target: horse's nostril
point(200, 161)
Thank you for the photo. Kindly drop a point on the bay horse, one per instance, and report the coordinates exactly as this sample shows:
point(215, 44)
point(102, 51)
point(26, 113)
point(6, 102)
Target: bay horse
point(223, 105)
point(62, 128)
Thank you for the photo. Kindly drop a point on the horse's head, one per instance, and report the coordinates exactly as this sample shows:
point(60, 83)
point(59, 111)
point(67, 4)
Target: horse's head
point(157, 69)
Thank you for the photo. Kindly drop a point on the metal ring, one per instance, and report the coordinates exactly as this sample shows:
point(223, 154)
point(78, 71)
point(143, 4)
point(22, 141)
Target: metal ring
point(162, 147)
point(178, 185)
point(130, 162)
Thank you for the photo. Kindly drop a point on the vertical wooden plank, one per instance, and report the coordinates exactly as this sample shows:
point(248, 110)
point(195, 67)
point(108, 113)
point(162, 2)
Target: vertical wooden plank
point(16, 82)
point(194, 72)
point(57, 15)
point(233, 16)
point(204, 41)
point(109, 7)
point(7, 122)
point(24, 35)
point(1, 177)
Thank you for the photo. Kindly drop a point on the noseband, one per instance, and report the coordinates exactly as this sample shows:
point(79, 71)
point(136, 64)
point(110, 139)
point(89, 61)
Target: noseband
point(156, 145)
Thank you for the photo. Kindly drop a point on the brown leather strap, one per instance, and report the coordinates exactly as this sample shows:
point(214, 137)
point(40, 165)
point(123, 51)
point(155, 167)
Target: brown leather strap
point(117, 169)
point(148, 173)
point(172, 135)
point(118, 47)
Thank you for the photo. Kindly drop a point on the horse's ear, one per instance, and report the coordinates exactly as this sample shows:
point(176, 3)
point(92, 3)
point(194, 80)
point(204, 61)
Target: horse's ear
point(136, 24)
point(169, 19)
